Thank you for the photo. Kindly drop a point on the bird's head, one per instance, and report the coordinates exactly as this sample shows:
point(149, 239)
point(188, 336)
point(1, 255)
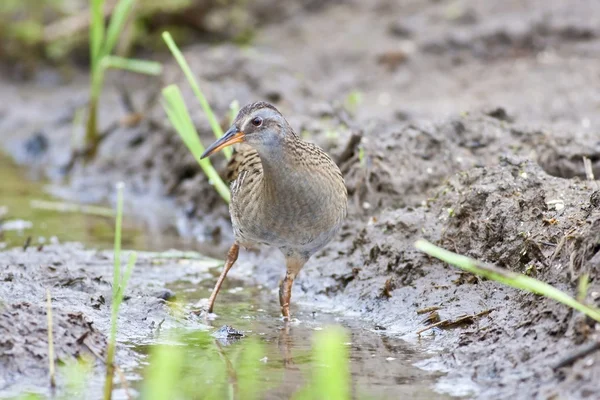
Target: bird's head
point(260, 125)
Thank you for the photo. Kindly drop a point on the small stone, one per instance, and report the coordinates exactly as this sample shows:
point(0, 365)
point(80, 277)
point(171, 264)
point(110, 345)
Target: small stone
point(227, 332)
point(165, 294)
point(37, 144)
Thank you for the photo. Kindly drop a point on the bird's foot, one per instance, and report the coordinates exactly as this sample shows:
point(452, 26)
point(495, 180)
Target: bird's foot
point(201, 309)
point(290, 321)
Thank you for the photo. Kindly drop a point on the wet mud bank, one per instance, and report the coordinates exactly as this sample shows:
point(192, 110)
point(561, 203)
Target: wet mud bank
point(471, 134)
point(80, 285)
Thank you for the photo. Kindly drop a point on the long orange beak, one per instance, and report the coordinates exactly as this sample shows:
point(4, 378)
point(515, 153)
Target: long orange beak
point(232, 136)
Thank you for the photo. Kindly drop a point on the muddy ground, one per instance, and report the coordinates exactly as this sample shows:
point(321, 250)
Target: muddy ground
point(474, 120)
point(79, 281)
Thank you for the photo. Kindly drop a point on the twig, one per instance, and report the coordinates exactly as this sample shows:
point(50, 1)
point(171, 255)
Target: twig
point(350, 148)
point(93, 351)
point(27, 243)
point(576, 355)
point(587, 165)
point(589, 171)
point(560, 245)
point(123, 381)
point(428, 309)
point(50, 340)
point(463, 319)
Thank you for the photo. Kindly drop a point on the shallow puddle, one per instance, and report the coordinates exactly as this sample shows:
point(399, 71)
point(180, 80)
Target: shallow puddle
point(382, 367)
point(22, 221)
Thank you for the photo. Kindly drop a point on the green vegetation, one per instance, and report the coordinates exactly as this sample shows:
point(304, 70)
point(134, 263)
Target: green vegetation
point(194, 360)
point(102, 43)
point(331, 375)
point(210, 115)
point(179, 116)
point(199, 360)
point(32, 31)
point(118, 290)
point(509, 278)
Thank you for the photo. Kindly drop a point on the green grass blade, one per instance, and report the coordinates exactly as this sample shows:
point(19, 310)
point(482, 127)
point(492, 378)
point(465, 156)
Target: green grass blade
point(77, 374)
point(212, 120)
point(163, 379)
point(332, 375)
point(249, 371)
point(509, 278)
point(96, 31)
point(115, 26)
point(179, 116)
point(131, 64)
point(127, 275)
point(117, 244)
point(119, 286)
point(582, 287)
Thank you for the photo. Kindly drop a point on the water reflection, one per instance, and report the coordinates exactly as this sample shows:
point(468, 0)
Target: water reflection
point(381, 367)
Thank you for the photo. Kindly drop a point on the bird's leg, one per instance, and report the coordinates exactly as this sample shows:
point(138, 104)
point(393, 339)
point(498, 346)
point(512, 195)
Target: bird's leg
point(294, 265)
point(232, 256)
point(285, 294)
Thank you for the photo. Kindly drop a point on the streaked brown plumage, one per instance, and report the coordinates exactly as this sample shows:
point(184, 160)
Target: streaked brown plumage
point(285, 192)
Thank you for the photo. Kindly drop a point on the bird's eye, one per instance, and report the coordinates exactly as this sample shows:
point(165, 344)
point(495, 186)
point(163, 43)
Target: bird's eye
point(257, 121)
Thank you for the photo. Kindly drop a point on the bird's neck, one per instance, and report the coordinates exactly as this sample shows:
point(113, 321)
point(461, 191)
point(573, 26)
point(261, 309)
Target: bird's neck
point(283, 174)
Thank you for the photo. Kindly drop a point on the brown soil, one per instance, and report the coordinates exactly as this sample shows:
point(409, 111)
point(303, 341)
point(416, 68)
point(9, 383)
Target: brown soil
point(474, 121)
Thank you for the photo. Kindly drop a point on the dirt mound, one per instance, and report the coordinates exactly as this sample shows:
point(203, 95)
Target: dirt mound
point(503, 209)
point(24, 344)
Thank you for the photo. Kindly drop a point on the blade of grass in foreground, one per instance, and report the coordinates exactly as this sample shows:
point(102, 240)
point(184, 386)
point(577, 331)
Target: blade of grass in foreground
point(509, 278)
point(177, 112)
point(332, 375)
point(119, 286)
point(164, 372)
point(212, 120)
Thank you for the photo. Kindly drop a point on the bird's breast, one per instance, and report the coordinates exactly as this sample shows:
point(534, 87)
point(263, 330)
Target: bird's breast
point(304, 215)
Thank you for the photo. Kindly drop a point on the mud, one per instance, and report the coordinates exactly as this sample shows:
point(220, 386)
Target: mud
point(471, 131)
point(80, 285)
point(158, 302)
